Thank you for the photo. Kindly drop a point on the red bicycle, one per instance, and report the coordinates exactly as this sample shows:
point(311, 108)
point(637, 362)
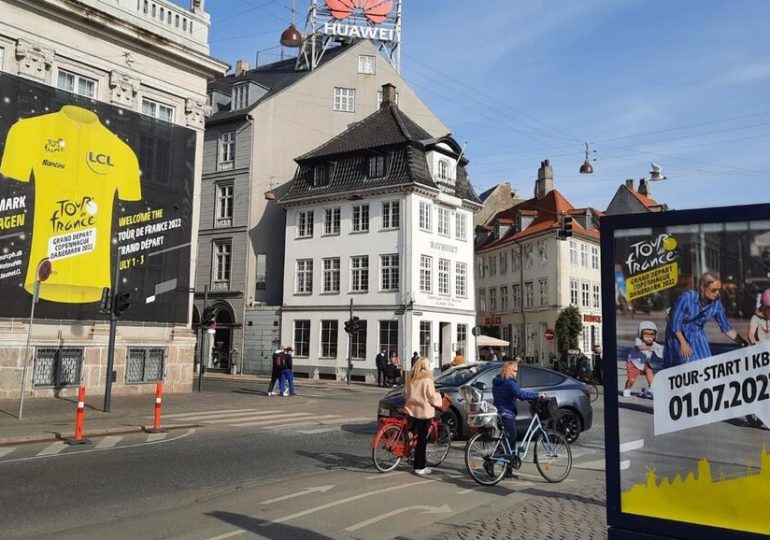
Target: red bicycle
point(394, 441)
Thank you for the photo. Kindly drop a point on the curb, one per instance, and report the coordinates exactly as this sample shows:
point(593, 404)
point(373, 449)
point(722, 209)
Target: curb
point(32, 439)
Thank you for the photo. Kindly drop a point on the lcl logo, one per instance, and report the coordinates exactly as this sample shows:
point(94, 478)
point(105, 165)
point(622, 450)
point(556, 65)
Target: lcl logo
point(97, 162)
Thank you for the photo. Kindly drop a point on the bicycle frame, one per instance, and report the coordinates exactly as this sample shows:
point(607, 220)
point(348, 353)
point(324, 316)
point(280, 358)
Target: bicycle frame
point(403, 426)
point(535, 426)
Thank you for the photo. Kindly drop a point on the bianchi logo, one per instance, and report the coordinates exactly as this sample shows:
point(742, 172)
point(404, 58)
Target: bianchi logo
point(374, 10)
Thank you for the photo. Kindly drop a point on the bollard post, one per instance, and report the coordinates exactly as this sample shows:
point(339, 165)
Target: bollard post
point(78, 438)
point(158, 405)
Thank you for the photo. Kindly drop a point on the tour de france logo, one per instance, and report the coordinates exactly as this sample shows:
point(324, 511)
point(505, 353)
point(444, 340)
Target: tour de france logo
point(651, 266)
point(374, 10)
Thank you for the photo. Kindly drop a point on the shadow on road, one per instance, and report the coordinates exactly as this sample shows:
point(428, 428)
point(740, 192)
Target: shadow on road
point(265, 528)
point(339, 460)
point(635, 407)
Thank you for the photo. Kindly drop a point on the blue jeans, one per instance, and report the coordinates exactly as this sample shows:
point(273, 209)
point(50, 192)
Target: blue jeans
point(509, 423)
point(287, 375)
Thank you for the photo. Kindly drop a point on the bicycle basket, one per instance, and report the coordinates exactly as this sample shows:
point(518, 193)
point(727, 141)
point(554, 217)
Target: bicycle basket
point(485, 419)
point(546, 409)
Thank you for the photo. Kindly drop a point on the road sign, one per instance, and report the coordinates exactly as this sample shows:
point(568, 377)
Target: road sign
point(44, 270)
point(549, 334)
point(476, 331)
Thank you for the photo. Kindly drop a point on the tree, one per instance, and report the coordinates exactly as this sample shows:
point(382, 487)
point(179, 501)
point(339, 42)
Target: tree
point(569, 324)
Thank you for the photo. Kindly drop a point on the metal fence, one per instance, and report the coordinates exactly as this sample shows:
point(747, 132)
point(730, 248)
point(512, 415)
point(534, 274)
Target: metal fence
point(145, 365)
point(57, 366)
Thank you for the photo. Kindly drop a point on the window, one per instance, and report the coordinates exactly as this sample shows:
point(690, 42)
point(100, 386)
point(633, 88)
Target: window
point(261, 277)
point(443, 277)
point(516, 297)
point(145, 364)
point(240, 96)
point(157, 110)
point(425, 338)
point(376, 167)
point(331, 277)
point(77, 84)
point(359, 267)
point(503, 263)
point(425, 216)
point(57, 366)
point(366, 64)
point(482, 300)
point(504, 298)
point(321, 175)
point(515, 337)
point(584, 295)
point(493, 265)
point(528, 295)
point(573, 292)
point(572, 253)
point(597, 296)
point(528, 256)
point(493, 299)
point(462, 337)
point(584, 255)
point(537, 378)
point(224, 209)
point(480, 267)
point(344, 99)
point(461, 280)
point(460, 228)
point(388, 336)
point(379, 97)
point(329, 339)
point(594, 257)
point(358, 342)
point(2, 57)
point(443, 169)
point(302, 338)
point(304, 224)
point(443, 221)
point(361, 218)
point(391, 216)
point(389, 273)
point(543, 290)
point(515, 260)
point(426, 269)
point(332, 221)
point(226, 150)
point(222, 262)
point(542, 251)
point(304, 276)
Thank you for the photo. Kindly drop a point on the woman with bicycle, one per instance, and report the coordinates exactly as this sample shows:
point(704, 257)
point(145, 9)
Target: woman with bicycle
point(505, 391)
point(422, 400)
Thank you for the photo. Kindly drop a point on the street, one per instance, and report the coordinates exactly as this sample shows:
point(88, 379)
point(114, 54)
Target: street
point(266, 467)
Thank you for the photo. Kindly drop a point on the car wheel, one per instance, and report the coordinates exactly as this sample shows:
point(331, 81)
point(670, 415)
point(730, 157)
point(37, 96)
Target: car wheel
point(568, 424)
point(451, 419)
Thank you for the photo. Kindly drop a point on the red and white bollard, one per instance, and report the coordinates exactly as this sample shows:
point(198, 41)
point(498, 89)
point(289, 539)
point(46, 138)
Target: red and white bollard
point(158, 405)
point(78, 438)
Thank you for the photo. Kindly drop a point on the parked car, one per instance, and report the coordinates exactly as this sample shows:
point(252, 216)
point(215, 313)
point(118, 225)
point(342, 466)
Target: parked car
point(572, 397)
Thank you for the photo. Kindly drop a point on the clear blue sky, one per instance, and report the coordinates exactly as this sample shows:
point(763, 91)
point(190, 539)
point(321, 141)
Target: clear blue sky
point(681, 83)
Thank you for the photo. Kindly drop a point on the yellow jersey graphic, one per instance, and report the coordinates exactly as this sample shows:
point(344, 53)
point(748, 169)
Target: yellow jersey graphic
point(78, 165)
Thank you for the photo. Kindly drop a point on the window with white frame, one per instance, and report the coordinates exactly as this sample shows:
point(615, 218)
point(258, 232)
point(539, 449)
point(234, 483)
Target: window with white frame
point(529, 258)
point(222, 263)
point(493, 265)
point(366, 64)
point(240, 98)
point(426, 211)
point(543, 290)
point(332, 221)
point(224, 205)
point(594, 257)
point(426, 271)
point(482, 300)
point(462, 337)
point(586, 340)
point(515, 260)
point(329, 331)
point(361, 218)
point(443, 169)
point(573, 292)
point(573, 253)
point(389, 272)
point(516, 337)
point(503, 263)
point(443, 276)
point(226, 150)
point(584, 255)
point(542, 251)
point(425, 338)
point(331, 275)
point(480, 267)
point(376, 167)
point(304, 276)
point(442, 224)
point(157, 110)
point(515, 297)
point(391, 216)
point(344, 99)
point(77, 84)
point(461, 232)
point(492, 299)
point(301, 338)
point(597, 296)
point(305, 224)
point(503, 298)
point(359, 273)
point(585, 296)
point(528, 295)
point(461, 280)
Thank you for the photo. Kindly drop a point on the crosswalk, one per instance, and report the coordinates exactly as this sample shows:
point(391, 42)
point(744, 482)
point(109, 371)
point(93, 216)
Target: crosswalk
point(260, 418)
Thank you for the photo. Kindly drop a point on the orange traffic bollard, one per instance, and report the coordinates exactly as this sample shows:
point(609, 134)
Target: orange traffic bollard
point(78, 438)
point(158, 404)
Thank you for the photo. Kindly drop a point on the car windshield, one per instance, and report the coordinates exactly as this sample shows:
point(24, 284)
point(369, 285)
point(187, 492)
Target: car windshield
point(458, 376)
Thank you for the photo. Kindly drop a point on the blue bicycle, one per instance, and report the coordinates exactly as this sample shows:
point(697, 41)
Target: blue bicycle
point(489, 454)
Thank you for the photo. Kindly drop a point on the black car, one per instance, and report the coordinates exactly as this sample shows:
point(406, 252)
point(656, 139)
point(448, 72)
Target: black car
point(571, 395)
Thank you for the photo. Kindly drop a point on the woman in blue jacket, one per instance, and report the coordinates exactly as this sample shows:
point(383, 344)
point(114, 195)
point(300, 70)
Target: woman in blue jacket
point(505, 391)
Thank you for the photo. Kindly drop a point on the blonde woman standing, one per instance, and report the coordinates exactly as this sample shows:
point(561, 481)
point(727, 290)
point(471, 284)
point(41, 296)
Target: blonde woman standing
point(422, 399)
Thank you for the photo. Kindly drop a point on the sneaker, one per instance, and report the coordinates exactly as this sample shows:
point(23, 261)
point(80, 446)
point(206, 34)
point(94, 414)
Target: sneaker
point(271, 393)
point(285, 393)
point(647, 393)
point(423, 472)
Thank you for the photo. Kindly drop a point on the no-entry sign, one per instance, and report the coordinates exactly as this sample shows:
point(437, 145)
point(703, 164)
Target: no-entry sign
point(549, 334)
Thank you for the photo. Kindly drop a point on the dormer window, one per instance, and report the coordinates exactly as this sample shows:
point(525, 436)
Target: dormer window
point(443, 169)
point(376, 167)
point(321, 175)
point(240, 96)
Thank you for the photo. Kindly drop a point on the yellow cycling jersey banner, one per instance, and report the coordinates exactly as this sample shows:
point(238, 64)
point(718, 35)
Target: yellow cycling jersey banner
point(90, 187)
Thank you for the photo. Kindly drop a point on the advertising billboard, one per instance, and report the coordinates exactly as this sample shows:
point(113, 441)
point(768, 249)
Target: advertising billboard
point(88, 187)
point(686, 304)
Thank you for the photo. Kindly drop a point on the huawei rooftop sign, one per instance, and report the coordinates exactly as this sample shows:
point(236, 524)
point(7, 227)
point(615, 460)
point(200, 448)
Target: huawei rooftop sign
point(375, 12)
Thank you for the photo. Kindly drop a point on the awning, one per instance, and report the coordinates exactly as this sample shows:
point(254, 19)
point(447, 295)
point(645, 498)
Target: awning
point(489, 341)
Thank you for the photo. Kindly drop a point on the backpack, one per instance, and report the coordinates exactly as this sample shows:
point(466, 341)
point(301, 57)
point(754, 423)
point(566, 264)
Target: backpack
point(278, 360)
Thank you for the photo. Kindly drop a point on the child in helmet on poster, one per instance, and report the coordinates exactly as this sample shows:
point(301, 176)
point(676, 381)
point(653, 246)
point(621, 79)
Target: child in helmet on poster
point(641, 356)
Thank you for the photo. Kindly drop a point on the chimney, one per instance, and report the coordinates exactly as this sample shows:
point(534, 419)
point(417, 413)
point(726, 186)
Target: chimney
point(630, 183)
point(241, 67)
point(388, 95)
point(643, 190)
point(544, 183)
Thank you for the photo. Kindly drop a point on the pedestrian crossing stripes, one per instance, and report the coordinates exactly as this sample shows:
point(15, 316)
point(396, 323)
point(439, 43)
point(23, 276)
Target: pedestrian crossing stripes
point(259, 418)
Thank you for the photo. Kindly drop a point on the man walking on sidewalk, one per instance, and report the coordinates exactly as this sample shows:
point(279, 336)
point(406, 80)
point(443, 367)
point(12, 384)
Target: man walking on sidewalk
point(288, 373)
point(275, 374)
point(382, 363)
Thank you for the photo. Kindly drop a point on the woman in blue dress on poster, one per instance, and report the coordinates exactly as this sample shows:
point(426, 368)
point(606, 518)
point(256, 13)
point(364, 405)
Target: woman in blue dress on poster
point(686, 339)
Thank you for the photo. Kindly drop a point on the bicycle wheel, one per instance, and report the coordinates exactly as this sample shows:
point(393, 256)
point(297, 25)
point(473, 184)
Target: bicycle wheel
point(388, 447)
point(553, 456)
point(438, 445)
point(593, 392)
point(485, 459)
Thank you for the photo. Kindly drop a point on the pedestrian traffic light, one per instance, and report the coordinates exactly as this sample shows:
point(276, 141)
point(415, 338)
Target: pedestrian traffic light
point(209, 317)
point(348, 326)
point(356, 324)
point(120, 303)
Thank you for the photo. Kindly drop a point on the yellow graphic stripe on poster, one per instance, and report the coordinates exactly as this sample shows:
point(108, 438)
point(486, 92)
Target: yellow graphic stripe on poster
point(658, 279)
point(731, 504)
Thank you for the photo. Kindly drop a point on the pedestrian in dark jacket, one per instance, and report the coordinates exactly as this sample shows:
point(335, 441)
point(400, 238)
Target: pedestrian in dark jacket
point(415, 357)
point(381, 361)
point(275, 374)
point(287, 375)
point(505, 391)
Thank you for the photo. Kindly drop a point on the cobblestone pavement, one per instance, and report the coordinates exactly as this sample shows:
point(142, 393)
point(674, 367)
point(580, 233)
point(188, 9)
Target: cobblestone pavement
point(578, 513)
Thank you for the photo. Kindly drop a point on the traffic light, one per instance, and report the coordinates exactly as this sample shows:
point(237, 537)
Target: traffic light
point(120, 303)
point(348, 326)
point(356, 324)
point(106, 301)
point(565, 228)
point(209, 317)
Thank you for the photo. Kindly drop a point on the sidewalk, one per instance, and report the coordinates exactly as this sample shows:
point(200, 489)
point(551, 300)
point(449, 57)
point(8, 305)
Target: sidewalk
point(50, 419)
